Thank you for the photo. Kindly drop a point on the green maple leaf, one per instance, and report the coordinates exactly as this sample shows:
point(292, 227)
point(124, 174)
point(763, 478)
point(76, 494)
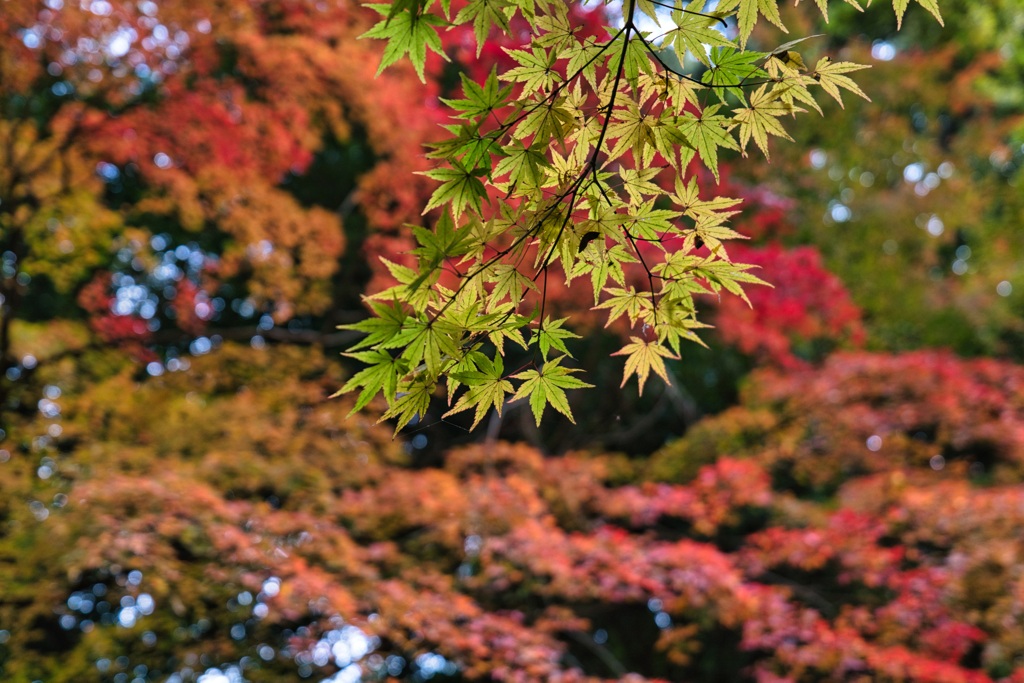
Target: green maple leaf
point(551, 335)
point(468, 146)
point(641, 358)
point(640, 183)
point(438, 245)
point(414, 402)
point(467, 314)
point(692, 32)
point(508, 282)
point(480, 100)
point(678, 267)
point(688, 198)
point(410, 288)
point(647, 223)
point(677, 321)
point(829, 76)
point(707, 134)
point(583, 60)
point(632, 58)
point(710, 230)
point(648, 8)
point(632, 129)
point(556, 30)
point(901, 7)
point(536, 69)
point(794, 89)
point(384, 327)
point(637, 61)
point(507, 325)
point(628, 302)
point(670, 142)
point(546, 121)
point(524, 165)
point(488, 388)
point(547, 387)
point(728, 276)
point(605, 264)
point(407, 33)
point(746, 15)
point(444, 241)
point(460, 187)
point(761, 119)
point(674, 91)
point(470, 362)
point(431, 345)
point(382, 376)
point(731, 69)
point(484, 14)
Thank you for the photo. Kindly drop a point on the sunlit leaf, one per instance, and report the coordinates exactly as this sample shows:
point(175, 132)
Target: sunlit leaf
point(642, 357)
point(547, 386)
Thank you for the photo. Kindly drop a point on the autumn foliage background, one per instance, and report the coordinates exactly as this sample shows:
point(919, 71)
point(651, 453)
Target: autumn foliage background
point(193, 195)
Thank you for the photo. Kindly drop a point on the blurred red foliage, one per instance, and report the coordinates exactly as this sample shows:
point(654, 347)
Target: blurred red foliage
point(508, 564)
point(804, 305)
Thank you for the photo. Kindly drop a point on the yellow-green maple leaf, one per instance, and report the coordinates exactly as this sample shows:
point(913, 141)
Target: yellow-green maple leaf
point(641, 358)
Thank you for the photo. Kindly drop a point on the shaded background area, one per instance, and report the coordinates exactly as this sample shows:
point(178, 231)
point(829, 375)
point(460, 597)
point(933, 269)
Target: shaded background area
point(194, 195)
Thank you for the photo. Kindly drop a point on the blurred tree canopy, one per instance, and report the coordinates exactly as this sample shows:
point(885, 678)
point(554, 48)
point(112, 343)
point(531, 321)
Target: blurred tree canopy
point(919, 216)
point(165, 168)
point(193, 195)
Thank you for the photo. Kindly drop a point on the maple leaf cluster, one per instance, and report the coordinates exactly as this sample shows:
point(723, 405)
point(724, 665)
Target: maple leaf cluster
point(576, 158)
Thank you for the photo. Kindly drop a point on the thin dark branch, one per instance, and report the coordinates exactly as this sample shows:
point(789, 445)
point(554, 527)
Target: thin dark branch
point(592, 165)
point(720, 20)
point(650, 275)
point(679, 74)
point(543, 297)
point(614, 94)
point(561, 230)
